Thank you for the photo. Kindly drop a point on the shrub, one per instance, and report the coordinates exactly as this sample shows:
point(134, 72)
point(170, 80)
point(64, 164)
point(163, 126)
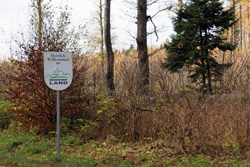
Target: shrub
point(5, 115)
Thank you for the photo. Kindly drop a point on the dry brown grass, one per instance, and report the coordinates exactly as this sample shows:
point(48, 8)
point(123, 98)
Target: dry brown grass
point(174, 109)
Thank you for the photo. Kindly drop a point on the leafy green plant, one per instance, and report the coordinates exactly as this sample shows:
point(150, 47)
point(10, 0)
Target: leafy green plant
point(197, 161)
point(5, 115)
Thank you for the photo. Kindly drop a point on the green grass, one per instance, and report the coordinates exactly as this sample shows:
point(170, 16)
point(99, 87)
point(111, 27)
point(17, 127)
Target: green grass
point(28, 149)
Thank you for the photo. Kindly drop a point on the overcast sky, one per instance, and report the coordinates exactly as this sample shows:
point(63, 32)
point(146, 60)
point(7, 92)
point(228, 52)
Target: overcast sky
point(14, 17)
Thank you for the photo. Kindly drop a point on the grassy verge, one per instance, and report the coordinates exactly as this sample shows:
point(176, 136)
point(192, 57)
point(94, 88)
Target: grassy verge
point(28, 149)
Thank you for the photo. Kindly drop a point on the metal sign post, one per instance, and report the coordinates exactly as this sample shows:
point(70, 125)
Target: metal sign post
point(58, 74)
point(58, 123)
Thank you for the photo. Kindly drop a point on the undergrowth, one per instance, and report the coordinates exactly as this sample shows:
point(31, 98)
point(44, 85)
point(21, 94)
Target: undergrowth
point(28, 149)
point(173, 124)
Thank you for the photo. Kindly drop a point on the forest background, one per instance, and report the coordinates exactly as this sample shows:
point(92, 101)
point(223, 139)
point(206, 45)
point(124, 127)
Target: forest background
point(156, 106)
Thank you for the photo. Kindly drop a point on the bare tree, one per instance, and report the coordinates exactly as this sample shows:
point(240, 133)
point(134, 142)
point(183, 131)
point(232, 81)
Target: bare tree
point(142, 45)
point(39, 9)
point(99, 32)
point(108, 46)
point(143, 56)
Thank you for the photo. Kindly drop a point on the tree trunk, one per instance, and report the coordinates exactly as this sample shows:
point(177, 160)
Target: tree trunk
point(108, 46)
point(209, 77)
point(39, 9)
point(241, 35)
point(142, 45)
point(204, 86)
point(235, 26)
point(101, 33)
point(179, 5)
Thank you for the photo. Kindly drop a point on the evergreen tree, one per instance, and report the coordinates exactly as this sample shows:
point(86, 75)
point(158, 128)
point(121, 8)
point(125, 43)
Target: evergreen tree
point(199, 28)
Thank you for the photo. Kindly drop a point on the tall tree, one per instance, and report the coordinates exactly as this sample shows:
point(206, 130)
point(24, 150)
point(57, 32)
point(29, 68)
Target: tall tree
point(108, 46)
point(97, 34)
point(101, 31)
point(39, 11)
point(199, 28)
point(141, 39)
point(141, 19)
point(142, 45)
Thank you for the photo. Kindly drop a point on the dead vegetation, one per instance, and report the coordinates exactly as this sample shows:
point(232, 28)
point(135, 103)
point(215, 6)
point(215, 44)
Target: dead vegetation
point(174, 110)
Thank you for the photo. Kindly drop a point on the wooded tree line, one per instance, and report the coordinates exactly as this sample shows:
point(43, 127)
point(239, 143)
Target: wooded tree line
point(207, 54)
point(213, 69)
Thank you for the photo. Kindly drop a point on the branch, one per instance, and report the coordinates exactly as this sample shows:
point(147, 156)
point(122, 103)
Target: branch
point(151, 3)
point(155, 31)
point(140, 109)
point(161, 10)
point(154, 52)
point(130, 34)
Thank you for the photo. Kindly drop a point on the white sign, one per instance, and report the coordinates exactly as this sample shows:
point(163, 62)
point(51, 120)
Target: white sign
point(58, 71)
